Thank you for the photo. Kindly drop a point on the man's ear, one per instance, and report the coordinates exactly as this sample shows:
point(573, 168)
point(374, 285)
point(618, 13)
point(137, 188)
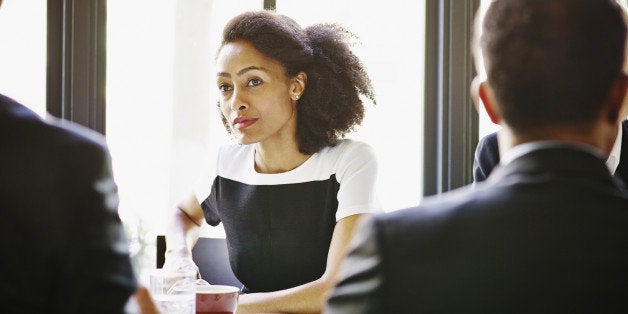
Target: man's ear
point(615, 101)
point(485, 94)
point(475, 93)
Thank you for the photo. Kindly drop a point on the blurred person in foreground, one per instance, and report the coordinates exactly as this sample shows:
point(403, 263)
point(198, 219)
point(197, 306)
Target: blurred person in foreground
point(63, 245)
point(546, 233)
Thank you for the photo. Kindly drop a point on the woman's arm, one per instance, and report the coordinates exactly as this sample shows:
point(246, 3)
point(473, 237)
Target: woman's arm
point(183, 233)
point(309, 297)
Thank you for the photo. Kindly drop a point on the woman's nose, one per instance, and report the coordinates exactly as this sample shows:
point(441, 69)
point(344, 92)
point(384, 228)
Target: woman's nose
point(238, 103)
point(239, 106)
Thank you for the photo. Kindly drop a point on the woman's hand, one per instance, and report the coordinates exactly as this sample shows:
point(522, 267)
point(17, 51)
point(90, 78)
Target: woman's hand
point(180, 261)
point(182, 235)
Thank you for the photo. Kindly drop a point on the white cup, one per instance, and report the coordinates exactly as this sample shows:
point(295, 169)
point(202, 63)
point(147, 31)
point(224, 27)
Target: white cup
point(217, 299)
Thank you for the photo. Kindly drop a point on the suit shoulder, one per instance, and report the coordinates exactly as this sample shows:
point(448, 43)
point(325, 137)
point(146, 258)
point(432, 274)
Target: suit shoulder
point(76, 134)
point(22, 131)
point(438, 214)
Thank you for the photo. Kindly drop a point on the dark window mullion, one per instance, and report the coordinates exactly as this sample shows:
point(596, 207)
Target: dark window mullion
point(77, 61)
point(451, 123)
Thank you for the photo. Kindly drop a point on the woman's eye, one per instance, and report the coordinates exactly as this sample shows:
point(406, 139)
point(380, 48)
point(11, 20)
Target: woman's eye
point(224, 87)
point(254, 82)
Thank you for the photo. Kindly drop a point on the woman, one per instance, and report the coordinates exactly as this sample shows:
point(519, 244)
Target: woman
point(290, 193)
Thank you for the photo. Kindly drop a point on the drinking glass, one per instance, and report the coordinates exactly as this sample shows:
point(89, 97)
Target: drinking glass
point(173, 291)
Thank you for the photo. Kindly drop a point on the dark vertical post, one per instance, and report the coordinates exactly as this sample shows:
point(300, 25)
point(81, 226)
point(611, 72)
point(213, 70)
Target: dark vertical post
point(77, 61)
point(451, 132)
point(54, 72)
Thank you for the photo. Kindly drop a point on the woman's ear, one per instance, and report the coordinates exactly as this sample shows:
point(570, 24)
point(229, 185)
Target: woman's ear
point(485, 94)
point(297, 87)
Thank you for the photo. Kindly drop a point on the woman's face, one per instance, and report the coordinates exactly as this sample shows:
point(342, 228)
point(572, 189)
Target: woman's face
point(256, 96)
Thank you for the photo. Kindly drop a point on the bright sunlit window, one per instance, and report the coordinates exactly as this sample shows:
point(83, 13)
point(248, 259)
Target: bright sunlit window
point(161, 114)
point(23, 52)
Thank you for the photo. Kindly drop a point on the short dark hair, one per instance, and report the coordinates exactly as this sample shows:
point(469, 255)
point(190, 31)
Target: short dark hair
point(552, 62)
point(330, 106)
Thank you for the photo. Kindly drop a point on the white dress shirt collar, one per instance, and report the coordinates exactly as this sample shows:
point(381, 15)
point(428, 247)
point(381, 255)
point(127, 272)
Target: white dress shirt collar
point(613, 159)
point(525, 148)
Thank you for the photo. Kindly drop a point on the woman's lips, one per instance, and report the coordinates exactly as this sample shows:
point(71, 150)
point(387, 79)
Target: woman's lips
point(241, 123)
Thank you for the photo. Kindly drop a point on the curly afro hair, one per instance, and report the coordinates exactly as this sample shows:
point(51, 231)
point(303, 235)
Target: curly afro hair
point(330, 106)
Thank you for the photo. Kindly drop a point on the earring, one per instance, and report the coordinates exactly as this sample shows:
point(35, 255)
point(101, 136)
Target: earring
point(295, 97)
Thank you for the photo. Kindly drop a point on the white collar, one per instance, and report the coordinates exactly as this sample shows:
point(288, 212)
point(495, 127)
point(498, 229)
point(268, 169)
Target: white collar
point(613, 159)
point(525, 148)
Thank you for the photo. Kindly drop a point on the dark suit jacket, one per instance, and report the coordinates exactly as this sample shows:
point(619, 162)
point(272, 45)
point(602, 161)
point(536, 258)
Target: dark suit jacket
point(63, 245)
point(487, 156)
point(544, 234)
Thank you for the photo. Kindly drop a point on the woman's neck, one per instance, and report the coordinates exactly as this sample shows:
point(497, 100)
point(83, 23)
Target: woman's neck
point(278, 158)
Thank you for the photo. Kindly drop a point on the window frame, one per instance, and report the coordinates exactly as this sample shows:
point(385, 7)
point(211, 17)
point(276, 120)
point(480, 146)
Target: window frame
point(451, 121)
point(76, 61)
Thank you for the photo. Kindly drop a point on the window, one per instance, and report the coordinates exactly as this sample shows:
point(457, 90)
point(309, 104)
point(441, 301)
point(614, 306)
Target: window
point(162, 122)
point(450, 118)
point(23, 54)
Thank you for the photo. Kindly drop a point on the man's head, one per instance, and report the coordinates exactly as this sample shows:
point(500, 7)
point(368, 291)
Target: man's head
point(551, 64)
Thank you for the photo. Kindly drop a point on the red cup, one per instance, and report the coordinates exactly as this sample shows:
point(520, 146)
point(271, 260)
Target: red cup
point(216, 299)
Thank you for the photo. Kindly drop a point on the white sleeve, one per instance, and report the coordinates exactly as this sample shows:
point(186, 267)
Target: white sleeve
point(357, 175)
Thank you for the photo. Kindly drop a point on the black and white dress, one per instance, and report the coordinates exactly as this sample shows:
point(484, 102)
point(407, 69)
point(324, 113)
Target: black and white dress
point(279, 226)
